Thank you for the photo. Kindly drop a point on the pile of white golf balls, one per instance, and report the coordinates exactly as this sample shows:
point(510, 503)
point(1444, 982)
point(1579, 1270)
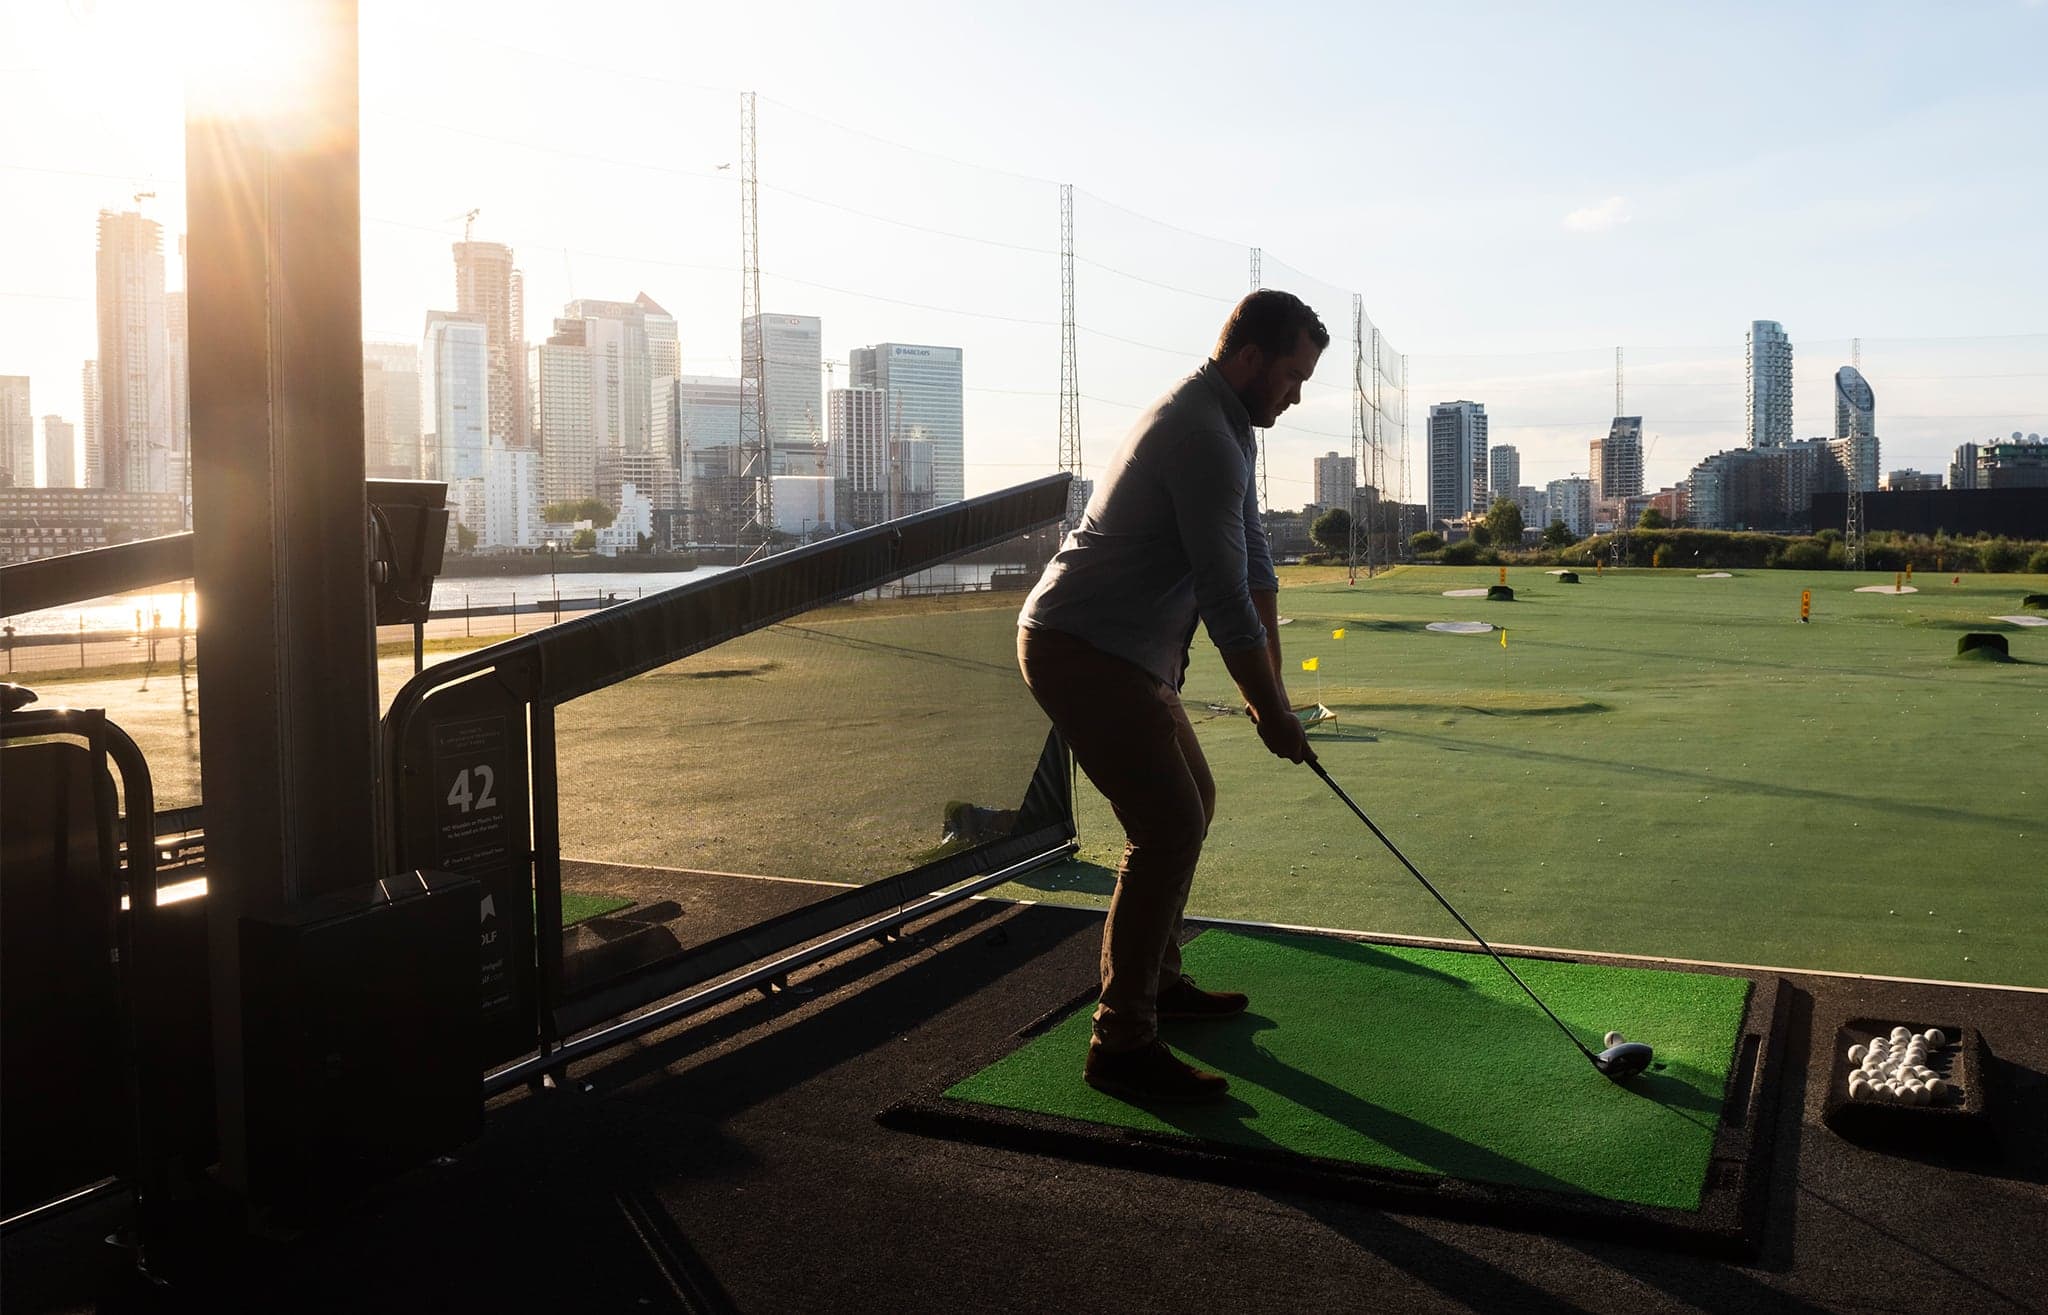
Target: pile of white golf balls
point(1895, 1068)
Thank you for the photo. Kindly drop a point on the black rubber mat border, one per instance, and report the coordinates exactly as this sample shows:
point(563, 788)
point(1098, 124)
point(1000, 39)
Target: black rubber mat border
point(1728, 1224)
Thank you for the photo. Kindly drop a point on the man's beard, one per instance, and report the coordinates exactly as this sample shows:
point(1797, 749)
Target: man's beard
point(1259, 400)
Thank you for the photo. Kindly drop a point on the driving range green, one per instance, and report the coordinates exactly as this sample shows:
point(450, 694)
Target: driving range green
point(1655, 764)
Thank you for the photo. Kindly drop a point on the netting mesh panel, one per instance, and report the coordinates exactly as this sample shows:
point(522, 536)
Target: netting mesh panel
point(1322, 422)
point(849, 743)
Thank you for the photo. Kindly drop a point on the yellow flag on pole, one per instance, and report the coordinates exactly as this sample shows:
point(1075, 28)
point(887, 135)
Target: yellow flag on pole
point(1311, 664)
point(1503, 636)
point(1337, 634)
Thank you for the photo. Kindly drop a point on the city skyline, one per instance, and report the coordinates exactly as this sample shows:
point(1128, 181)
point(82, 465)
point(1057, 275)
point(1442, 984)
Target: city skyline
point(860, 192)
point(1768, 356)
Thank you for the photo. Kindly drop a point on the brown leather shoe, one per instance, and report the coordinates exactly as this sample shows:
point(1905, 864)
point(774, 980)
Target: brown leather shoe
point(1151, 1074)
point(1183, 999)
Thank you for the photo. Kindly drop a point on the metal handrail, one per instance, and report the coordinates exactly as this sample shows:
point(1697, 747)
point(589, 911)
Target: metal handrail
point(538, 644)
point(545, 669)
point(94, 573)
point(135, 862)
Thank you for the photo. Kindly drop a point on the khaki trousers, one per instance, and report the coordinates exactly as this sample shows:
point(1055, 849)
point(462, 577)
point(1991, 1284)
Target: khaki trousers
point(1130, 735)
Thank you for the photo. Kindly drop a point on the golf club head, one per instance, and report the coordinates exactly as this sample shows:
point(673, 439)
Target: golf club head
point(1622, 1062)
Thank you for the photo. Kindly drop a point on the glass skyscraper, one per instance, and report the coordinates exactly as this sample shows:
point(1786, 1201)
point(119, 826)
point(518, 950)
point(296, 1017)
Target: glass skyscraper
point(134, 430)
point(1769, 399)
point(1457, 460)
point(923, 383)
point(455, 395)
point(795, 378)
point(1856, 427)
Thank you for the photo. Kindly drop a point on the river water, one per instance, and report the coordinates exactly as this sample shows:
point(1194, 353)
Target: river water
point(166, 609)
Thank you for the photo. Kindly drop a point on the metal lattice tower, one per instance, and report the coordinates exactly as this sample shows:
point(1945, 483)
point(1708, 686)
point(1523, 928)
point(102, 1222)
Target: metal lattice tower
point(1265, 435)
point(1378, 449)
point(1618, 410)
point(1404, 428)
point(1070, 379)
point(756, 491)
point(1852, 526)
point(1357, 434)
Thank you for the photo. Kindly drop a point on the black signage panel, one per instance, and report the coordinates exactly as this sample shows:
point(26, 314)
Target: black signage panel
point(464, 804)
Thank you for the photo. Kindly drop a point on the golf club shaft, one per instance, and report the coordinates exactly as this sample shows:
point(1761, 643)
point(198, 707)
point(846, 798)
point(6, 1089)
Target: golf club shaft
point(1449, 909)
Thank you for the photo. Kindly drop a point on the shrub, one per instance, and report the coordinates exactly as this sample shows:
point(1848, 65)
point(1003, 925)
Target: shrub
point(1332, 530)
point(1504, 522)
point(1829, 536)
point(1465, 552)
point(1805, 555)
point(1425, 541)
point(2001, 556)
point(2038, 563)
point(1663, 555)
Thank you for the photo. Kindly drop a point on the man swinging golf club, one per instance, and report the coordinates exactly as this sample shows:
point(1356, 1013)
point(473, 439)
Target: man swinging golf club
point(1171, 537)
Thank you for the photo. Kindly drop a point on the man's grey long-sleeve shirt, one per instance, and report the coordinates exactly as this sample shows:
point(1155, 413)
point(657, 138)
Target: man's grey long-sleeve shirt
point(1171, 534)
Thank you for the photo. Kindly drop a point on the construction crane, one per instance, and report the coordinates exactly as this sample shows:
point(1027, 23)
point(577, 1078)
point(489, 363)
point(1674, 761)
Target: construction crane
point(468, 221)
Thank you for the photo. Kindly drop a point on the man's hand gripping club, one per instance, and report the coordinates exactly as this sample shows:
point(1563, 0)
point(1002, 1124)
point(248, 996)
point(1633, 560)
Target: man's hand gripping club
point(1266, 703)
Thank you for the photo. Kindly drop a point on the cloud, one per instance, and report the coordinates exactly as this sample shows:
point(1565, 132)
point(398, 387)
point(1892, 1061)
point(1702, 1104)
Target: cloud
point(1598, 218)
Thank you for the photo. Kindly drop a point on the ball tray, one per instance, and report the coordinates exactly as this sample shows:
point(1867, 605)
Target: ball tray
point(1955, 1119)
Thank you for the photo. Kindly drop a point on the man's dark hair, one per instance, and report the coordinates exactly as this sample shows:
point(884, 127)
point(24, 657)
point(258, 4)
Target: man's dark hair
point(1272, 321)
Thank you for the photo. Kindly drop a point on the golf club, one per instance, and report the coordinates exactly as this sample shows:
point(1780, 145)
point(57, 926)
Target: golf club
point(1618, 1062)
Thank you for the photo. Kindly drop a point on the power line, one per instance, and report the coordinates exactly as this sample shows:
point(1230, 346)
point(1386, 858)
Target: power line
point(914, 305)
point(917, 228)
point(1154, 283)
point(546, 149)
point(87, 173)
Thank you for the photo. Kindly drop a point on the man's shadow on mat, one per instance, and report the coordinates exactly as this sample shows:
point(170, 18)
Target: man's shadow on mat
point(1354, 952)
point(1233, 1046)
point(1660, 1087)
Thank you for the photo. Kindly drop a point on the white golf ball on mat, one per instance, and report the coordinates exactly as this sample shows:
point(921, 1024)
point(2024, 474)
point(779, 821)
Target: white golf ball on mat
point(1613, 1039)
point(1935, 1037)
point(1856, 1054)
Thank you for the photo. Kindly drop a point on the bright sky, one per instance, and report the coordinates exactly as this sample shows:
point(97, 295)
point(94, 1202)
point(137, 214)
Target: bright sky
point(1515, 189)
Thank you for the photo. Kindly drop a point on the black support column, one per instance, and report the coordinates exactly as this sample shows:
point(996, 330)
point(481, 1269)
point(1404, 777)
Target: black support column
point(287, 675)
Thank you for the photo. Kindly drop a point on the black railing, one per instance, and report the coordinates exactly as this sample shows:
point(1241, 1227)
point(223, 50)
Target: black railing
point(95, 573)
point(486, 719)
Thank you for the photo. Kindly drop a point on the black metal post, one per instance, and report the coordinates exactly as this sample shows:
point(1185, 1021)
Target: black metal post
point(280, 545)
point(547, 867)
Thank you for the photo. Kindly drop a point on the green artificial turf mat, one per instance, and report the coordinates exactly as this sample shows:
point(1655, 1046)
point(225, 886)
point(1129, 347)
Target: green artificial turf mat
point(1427, 1061)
